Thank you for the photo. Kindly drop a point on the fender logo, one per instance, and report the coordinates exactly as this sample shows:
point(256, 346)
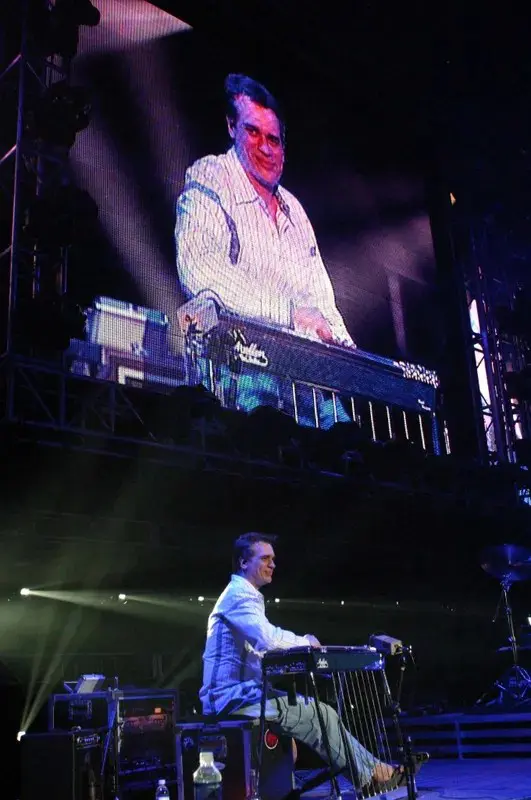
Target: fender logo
point(248, 353)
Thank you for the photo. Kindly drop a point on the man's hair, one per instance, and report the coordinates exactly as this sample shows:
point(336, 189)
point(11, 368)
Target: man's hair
point(235, 85)
point(243, 547)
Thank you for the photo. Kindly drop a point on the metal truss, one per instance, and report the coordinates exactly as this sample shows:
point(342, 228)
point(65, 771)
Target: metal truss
point(44, 404)
point(14, 76)
point(497, 411)
point(28, 168)
point(500, 419)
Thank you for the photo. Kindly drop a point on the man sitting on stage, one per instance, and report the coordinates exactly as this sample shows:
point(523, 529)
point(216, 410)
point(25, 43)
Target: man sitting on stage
point(239, 634)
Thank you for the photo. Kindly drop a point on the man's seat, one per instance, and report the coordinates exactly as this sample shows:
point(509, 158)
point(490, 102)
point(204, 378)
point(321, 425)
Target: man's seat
point(234, 739)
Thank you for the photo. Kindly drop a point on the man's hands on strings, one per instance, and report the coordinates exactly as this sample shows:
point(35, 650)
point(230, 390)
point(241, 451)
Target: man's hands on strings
point(311, 321)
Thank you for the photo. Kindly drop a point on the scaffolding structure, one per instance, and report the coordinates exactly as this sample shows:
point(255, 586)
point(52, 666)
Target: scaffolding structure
point(504, 420)
point(37, 394)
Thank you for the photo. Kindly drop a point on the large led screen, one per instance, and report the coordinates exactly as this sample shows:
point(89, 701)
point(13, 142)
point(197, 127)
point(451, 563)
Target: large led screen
point(259, 230)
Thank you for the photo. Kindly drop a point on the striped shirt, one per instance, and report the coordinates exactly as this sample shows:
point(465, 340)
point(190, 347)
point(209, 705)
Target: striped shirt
point(228, 245)
point(238, 635)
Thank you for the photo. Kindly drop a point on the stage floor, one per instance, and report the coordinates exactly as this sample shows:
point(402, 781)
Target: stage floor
point(474, 779)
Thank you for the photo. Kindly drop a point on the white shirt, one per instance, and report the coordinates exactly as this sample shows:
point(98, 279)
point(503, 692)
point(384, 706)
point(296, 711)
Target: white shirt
point(228, 244)
point(238, 635)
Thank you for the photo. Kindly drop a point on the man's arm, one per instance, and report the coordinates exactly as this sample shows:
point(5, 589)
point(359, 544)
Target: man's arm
point(319, 295)
point(247, 615)
point(203, 241)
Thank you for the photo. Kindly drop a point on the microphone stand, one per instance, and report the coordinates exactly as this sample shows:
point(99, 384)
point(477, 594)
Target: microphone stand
point(403, 742)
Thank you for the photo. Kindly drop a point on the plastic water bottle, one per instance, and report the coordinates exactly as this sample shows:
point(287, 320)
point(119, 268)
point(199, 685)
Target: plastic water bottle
point(162, 790)
point(207, 779)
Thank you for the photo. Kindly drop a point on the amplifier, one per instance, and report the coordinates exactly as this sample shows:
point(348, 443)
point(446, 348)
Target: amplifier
point(65, 766)
point(145, 720)
point(128, 328)
point(235, 748)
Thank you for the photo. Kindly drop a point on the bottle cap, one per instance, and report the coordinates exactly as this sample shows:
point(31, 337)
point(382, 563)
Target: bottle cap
point(206, 757)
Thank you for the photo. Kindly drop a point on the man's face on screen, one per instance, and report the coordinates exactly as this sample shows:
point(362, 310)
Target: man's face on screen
point(258, 142)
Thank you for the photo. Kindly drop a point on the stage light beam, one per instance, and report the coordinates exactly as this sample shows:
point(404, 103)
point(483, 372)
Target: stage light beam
point(25, 592)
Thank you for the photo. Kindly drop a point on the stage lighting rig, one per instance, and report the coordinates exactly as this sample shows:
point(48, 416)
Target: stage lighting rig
point(60, 114)
point(48, 216)
point(60, 32)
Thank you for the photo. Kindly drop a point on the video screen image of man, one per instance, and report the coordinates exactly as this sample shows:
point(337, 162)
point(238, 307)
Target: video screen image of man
point(246, 242)
point(243, 237)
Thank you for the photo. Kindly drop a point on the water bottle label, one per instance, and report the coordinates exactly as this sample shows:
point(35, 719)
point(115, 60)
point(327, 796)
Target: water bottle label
point(207, 791)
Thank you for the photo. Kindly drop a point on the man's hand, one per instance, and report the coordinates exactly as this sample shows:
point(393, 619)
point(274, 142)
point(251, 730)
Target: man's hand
point(310, 320)
point(314, 642)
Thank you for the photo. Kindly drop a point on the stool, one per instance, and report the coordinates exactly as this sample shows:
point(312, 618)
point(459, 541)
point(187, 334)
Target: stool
point(234, 741)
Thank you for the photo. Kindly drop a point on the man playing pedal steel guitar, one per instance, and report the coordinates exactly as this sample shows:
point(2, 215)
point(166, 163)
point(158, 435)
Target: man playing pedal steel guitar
point(239, 634)
point(245, 240)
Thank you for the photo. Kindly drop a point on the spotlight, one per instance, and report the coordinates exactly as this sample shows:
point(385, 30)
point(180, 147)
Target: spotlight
point(20, 734)
point(342, 602)
point(25, 592)
point(200, 599)
point(122, 596)
point(277, 599)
